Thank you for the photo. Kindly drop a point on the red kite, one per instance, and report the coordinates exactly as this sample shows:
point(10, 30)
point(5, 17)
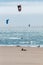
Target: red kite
point(19, 8)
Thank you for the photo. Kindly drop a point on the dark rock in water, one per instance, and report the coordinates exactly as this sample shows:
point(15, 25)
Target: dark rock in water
point(23, 49)
point(21, 37)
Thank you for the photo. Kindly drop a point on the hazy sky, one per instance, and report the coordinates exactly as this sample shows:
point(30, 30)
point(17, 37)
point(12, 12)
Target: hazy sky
point(32, 13)
point(18, 0)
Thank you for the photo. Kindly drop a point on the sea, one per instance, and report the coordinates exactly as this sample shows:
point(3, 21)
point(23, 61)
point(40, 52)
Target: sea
point(24, 38)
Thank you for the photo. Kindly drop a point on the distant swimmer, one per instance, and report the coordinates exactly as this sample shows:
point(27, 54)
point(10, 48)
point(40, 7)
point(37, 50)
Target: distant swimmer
point(7, 21)
point(19, 8)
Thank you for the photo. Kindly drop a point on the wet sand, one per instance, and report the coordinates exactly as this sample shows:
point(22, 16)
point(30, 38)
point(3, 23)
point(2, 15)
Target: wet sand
point(14, 56)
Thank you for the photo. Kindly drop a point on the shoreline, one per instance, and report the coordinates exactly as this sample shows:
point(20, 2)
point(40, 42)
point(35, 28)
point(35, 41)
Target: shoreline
point(22, 46)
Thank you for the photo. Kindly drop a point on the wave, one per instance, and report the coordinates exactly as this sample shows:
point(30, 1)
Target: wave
point(36, 46)
point(14, 38)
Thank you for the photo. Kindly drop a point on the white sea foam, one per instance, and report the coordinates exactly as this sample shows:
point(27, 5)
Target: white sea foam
point(13, 38)
point(24, 45)
point(24, 42)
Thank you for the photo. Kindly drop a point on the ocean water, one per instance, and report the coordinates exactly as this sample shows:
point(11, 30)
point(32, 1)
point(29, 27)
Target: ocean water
point(21, 39)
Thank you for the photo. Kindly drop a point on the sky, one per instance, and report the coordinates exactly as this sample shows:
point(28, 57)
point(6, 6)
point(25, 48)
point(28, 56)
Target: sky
point(17, 0)
point(32, 13)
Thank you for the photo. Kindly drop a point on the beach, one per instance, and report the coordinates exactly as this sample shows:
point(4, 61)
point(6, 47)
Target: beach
point(13, 55)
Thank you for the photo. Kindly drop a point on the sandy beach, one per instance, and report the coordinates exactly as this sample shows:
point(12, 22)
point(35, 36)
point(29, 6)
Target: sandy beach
point(14, 56)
